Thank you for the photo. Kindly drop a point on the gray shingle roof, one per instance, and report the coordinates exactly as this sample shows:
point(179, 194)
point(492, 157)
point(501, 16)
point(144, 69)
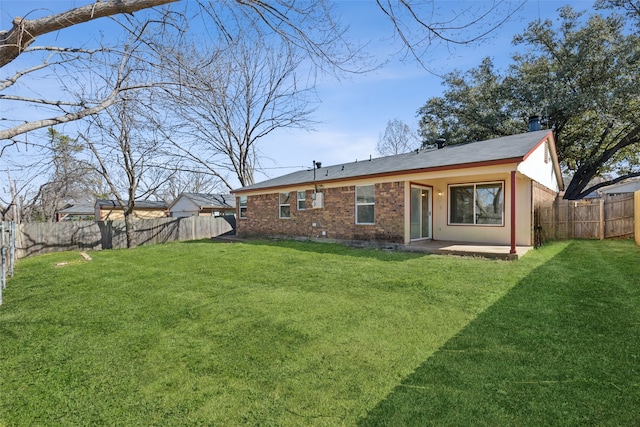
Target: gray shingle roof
point(515, 147)
point(78, 209)
point(140, 204)
point(204, 200)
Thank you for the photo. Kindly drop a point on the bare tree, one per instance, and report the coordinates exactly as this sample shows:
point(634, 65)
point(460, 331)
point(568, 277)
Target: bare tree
point(125, 149)
point(187, 182)
point(24, 32)
point(309, 26)
point(64, 63)
point(228, 102)
point(397, 138)
point(86, 90)
point(70, 180)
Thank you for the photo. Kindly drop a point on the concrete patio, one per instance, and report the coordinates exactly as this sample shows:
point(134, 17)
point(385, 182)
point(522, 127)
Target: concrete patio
point(466, 249)
point(423, 246)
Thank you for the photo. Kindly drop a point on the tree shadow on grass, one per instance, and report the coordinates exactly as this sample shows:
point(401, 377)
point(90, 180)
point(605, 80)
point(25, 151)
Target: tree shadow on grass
point(560, 348)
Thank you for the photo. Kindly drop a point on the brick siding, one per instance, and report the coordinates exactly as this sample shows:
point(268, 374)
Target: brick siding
point(335, 221)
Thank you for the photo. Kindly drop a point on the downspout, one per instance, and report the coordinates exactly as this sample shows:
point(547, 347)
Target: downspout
point(513, 213)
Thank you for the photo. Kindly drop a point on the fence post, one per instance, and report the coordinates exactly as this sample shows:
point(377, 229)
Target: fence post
point(601, 229)
point(3, 262)
point(12, 247)
point(636, 216)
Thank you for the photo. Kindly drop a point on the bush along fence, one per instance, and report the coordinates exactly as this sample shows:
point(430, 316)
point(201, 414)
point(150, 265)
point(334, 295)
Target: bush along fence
point(610, 217)
point(41, 238)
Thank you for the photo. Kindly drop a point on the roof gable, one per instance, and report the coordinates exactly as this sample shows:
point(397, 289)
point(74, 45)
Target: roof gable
point(204, 200)
point(506, 149)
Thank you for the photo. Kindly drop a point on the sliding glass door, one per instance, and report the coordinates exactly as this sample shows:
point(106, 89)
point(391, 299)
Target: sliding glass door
point(420, 213)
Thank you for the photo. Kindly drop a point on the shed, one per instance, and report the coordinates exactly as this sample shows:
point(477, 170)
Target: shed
point(76, 212)
point(203, 204)
point(144, 209)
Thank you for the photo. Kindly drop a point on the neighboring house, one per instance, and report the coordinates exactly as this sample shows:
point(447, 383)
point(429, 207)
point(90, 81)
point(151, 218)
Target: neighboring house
point(76, 212)
point(625, 187)
point(483, 192)
point(200, 204)
point(106, 210)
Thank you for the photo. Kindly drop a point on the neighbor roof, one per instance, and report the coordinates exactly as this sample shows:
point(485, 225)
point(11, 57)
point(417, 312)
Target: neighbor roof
point(628, 186)
point(140, 204)
point(204, 200)
point(514, 148)
point(78, 209)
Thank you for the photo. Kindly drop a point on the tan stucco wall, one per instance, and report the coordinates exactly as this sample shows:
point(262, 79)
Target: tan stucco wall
point(442, 230)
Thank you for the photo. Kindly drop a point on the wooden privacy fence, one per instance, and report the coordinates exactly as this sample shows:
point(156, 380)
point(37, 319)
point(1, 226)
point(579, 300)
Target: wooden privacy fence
point(606, 218)
point(40, 238)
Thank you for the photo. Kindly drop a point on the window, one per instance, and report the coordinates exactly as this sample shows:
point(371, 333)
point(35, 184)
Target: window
point(365, 204)
point(243, 206)
point(284, 205)
point(302, 202)
point(477, 204)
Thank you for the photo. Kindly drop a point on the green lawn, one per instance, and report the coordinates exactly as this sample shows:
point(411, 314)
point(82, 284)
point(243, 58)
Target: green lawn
point(291, 333)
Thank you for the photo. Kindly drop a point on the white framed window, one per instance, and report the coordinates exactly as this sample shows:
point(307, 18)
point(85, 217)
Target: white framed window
point(242, 208)
point(365, 204)
point(302, 200)
point(477, 204)
point(284, 205)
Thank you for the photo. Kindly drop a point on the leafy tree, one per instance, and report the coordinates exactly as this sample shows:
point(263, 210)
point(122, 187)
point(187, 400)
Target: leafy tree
point(582, 78)
point(397, 138)
point(474, 107)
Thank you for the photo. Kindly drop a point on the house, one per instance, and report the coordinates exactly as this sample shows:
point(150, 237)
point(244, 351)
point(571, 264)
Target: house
point(106, 210)
point(201, 204)
point(625, 187)
point(76, 212)
point(484, 192)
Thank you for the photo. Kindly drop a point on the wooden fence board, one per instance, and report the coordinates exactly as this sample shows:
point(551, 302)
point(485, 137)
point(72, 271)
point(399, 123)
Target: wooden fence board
point(41, 238)
point(610, 217)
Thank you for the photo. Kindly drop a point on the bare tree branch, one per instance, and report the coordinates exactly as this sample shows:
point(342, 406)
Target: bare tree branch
point(24, 31)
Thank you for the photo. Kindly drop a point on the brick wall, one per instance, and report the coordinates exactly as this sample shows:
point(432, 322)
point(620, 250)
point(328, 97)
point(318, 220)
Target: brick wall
point(335, 221)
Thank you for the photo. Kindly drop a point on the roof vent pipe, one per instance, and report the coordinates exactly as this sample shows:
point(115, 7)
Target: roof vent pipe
point(534, 123)
point(441, 142)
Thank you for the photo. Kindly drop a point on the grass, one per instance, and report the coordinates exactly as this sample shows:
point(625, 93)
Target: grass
point(293, 333)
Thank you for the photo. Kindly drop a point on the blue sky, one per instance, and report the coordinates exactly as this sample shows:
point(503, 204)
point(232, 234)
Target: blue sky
point(353, 111)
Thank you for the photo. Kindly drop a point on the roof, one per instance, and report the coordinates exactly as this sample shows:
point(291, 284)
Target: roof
point(204, 200)
point(514, 148)
point(627, 186)
point(78, 209)
point(139, 204)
